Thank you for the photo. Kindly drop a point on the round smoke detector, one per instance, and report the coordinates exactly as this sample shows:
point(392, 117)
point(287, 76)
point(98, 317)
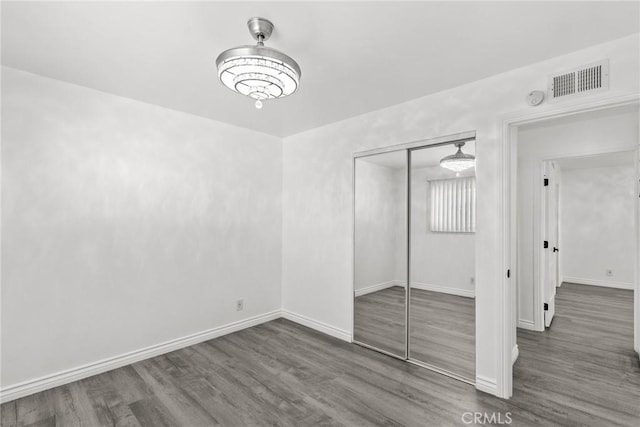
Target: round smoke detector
point(535, 98)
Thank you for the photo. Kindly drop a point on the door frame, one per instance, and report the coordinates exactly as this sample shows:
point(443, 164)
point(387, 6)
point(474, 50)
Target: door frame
point(507, 349)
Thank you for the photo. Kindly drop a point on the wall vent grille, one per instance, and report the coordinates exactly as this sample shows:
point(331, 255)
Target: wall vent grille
point(564, 85)
point(580, 81)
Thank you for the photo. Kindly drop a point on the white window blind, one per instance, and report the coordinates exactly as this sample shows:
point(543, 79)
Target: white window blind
point(453, 205)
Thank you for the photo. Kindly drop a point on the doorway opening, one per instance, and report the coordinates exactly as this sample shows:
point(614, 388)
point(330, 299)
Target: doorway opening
point(575, 259)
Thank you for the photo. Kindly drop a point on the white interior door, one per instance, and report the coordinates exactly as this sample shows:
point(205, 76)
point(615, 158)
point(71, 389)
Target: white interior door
point(550, 246)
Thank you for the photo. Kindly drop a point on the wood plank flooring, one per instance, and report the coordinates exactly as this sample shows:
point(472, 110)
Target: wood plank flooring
point(583, 368)
point(442, 327)
point(281, 373)
point(443, 331)
point(380, 320)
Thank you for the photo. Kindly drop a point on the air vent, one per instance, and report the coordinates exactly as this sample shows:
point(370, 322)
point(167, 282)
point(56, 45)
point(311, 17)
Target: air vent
point(581, 81)
point(564, 85)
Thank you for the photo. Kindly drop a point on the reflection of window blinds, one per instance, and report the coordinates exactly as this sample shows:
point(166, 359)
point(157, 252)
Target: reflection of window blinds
point(453, 205)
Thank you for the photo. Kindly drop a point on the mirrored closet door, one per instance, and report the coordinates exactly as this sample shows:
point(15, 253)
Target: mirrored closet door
point(414, 254)
point(442, 253)
point(380, 252)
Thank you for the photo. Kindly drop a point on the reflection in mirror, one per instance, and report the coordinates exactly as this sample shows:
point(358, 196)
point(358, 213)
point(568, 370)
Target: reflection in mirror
point(380, 252)
point(442, 248)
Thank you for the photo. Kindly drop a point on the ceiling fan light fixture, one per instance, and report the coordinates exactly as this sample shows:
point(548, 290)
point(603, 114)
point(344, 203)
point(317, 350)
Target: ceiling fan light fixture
point(459, 161)
point(259, 72)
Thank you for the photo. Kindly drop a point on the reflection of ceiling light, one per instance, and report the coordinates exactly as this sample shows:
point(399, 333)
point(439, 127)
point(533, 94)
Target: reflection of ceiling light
point(459, 161)
point(257, 71)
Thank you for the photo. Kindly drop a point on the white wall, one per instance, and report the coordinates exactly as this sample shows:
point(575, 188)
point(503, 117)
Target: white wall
point(596, 223)
point(439, 261)
point(317, 191)
point(380, 213)
point(126, 225)
point(584, 134)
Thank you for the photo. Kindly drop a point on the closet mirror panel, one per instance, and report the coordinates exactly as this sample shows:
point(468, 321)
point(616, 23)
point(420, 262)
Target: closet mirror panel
point(442, 262)
point(380, 251)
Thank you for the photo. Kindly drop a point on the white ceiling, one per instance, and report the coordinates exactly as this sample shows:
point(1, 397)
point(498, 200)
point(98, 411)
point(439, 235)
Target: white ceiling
point(355, 56)
point(622, 158)
point(425, 157)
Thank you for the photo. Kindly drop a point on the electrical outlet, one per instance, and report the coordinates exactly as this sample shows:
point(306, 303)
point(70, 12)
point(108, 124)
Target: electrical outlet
point(609, 273)
point(239, 305)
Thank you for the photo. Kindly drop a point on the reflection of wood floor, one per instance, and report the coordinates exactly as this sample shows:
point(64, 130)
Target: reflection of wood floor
point(442, 327)
point(581, 372)
point(443, 332)
point(380, 320)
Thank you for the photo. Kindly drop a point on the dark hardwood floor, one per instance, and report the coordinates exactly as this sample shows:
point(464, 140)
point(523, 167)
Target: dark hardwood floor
point(580, 372)
point(582, 369)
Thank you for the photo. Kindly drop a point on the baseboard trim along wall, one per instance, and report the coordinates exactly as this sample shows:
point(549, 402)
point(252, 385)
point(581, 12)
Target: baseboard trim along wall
point(603, 283)
point(26, 388)
point(36, 385)
point(526, 324)
point(443, 289)
point(375, 288)
point(487, 385)
point(317, 325)
point(416, 285)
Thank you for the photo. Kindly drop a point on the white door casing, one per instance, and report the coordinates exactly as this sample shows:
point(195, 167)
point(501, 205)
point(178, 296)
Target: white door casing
point(508, 125)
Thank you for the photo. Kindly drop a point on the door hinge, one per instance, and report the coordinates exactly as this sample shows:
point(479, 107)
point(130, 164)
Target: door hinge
point(508, 274)
point(546, 307)
point(546, 244)
point(546, 182)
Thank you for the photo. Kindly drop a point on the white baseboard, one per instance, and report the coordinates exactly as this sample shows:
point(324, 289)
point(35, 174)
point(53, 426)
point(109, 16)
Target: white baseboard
point(443, 289)
point(375, 288)
point(526, 324)
point(603, 283)
point(416, 285)
point(515, 352)
point(317, 325)
point(16, 391)
point(36, 385)
point(486, 385)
